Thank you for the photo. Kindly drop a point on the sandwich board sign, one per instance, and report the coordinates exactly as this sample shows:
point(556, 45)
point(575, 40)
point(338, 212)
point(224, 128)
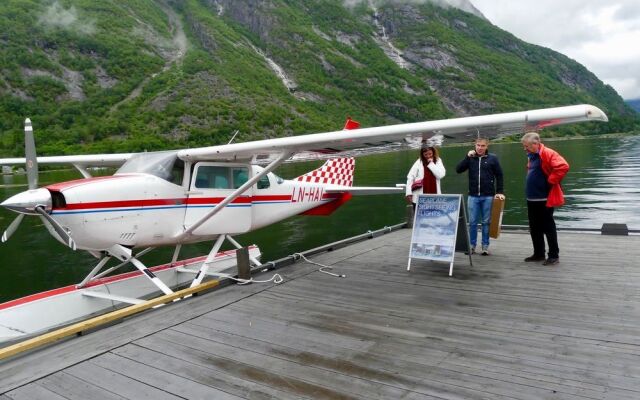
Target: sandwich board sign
point(436, 225)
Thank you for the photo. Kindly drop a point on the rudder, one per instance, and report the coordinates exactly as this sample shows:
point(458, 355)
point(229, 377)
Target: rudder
point(335, 171)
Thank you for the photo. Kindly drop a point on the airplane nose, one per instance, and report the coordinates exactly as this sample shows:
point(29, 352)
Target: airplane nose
point(26, 202)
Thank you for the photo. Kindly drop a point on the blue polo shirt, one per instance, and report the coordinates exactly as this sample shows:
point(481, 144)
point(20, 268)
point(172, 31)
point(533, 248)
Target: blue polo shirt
point(537, 187)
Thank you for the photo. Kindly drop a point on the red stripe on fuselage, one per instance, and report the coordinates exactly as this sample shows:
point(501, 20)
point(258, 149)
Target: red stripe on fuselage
point(281, 197)
point(167, 202)
point(210, 200)
point(121, 203)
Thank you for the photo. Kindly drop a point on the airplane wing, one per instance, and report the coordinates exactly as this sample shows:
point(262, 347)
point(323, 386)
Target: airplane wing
point(89, 160)
point(346, 142)
point(353, 142)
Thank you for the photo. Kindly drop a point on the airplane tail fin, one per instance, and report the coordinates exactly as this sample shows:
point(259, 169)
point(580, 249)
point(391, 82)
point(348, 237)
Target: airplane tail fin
point(351, 124)
point(336, 171)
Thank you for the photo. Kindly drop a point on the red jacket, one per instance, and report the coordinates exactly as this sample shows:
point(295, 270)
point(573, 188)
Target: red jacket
point(555, 167)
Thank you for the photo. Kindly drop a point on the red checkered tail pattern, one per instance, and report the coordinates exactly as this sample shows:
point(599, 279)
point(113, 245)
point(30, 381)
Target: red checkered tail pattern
point(336, 171)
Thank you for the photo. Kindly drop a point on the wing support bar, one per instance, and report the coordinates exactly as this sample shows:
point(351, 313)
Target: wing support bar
point(82, 170)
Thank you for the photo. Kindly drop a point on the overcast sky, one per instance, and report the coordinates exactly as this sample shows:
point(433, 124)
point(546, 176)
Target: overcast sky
point(602, 35)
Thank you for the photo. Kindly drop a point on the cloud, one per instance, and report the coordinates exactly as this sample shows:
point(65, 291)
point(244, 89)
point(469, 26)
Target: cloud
point(464, 5)
point(56, 16)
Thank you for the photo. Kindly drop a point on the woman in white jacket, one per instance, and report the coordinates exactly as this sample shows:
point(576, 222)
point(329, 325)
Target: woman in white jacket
point(417, 181)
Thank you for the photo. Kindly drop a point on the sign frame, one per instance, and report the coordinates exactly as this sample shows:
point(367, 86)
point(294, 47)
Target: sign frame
point(436, 223)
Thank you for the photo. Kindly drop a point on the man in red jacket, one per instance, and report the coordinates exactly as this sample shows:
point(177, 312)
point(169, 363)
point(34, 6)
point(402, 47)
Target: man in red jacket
point(546, 168)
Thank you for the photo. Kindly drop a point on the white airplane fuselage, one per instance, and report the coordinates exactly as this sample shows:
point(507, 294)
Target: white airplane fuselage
point(142, 210)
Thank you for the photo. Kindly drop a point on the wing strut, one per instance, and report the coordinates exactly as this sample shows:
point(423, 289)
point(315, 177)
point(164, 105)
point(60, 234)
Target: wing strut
point(233, 196)
point(82, 170)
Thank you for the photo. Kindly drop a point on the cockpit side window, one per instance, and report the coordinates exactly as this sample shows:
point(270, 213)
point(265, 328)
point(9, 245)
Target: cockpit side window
point(213, 177)
point(220, 177)
point(177, 172)
point(240, 176)
point(264, 183)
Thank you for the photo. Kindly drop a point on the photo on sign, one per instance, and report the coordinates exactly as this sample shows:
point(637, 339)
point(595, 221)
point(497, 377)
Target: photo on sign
point(434, 232)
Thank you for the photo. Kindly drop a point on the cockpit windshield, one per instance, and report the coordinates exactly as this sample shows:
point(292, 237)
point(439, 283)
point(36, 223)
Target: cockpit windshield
point(163, 164)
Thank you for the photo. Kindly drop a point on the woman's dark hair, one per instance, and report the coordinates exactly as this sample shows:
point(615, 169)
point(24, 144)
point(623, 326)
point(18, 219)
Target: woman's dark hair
point(425, 148)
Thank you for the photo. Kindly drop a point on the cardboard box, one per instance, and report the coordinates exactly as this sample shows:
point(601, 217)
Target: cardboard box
point(497, 209)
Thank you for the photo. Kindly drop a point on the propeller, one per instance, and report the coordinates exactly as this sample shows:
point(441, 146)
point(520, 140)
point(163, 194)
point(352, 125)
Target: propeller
point(12, 228)
point(30, 155)
point(64, 235)
point(33, 201)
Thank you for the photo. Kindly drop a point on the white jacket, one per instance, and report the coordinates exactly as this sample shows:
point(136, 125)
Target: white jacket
point(417, 172)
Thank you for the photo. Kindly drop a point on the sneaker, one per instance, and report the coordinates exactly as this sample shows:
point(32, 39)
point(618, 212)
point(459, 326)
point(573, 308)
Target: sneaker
point(473, 250)
point(534, 258)
point(485, 250)
point(551, 261)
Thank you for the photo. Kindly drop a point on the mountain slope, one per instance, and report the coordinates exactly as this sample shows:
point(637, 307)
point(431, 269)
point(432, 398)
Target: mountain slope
point(145, 75)
point(635, 104)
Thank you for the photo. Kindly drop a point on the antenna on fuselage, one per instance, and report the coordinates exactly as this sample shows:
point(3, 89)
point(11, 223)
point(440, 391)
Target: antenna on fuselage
point(234, 136)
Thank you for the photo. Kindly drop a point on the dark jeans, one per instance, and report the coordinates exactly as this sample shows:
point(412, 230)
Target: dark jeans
point(541, 224)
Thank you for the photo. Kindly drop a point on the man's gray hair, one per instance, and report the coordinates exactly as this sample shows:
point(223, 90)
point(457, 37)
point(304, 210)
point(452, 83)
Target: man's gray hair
point(530, 137)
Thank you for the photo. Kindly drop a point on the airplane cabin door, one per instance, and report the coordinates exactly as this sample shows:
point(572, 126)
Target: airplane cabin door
point(210, 184)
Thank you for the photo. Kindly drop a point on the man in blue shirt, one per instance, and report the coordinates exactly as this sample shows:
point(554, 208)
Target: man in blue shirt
point(485, 183)
point(546, 169)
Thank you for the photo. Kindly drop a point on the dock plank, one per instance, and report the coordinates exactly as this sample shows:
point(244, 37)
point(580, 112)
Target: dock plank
point(117, 382)
point(422, 354)
point(32, 392)
point(500, 329)
point(183, 378)
point(430, 347)
point(419, 375)
point(73, 388)
point(297, 377)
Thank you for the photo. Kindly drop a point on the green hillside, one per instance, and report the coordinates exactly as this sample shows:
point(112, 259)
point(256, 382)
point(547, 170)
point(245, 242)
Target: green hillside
point(635, 104)
point(132, 75)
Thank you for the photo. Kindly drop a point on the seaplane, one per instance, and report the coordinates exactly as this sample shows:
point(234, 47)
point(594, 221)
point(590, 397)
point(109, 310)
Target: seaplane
point(177, 197)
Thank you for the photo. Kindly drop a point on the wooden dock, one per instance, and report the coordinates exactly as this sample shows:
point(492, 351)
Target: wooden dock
point(502, 329)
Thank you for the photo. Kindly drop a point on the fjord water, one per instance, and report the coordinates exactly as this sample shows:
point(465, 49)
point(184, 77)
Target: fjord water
point(602, 186)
